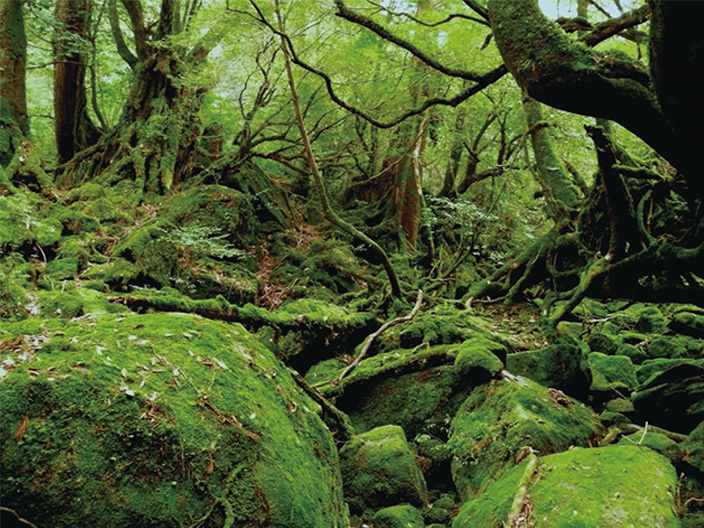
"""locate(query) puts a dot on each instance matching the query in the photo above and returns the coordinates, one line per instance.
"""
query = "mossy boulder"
(400, 516)
(160, 420)
(562, 365)
(582, 488)
(502, 421)
(440, 325)
(678, 346)
(418, 390)
(214, 206)
(379, 469)
(612, 373)
(693, 448)
(653, 367)
(601, 342)
(673, 399)
(689, 324)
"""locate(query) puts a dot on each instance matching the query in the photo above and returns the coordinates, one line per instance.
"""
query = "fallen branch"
(376, 334)
(330, 412)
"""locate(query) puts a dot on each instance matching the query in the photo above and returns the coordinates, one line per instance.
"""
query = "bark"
(14, 122)
(74, 129)
(157, 139)
(562, 194)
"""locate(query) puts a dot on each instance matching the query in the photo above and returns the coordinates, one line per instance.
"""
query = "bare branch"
(430, 24)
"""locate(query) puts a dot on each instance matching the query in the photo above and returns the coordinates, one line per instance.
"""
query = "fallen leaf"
(22, 429)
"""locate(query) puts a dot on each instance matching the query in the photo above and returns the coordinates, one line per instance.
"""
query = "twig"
(19, 519)
(376, 334)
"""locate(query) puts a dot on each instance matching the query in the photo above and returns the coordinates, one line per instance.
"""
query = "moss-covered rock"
(673, 399)
(480, 358)
(400, 516)
(562, 365)
(612, 373)
(678, 346)
(502, 421)
(636, 354)
(602, 487)
(379, 469)
(418, 390)
(693, 448)
(688, 323)
(160, 420)
(601, 342)
(441, 511)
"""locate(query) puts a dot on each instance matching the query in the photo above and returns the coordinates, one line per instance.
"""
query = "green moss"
(159, 420)
(215, 206)
(562, 365)
(62, 268)
(607, 488)
(584, 488)
(500, 419)
(652, 367)
(401, 516)
(378, 470)
(479, 356)
(678, 346)
(61, 304)
(612, 372)
(636, 355)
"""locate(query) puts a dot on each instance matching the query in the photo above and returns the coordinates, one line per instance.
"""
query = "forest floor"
(186, 363)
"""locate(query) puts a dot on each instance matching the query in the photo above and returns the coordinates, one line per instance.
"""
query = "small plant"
(204, 241)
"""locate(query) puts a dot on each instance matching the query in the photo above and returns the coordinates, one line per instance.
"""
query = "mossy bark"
(562, 194)
(14, 122)
(74, 128)
(568, 75)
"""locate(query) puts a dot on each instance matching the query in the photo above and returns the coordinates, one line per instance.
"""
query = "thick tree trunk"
(156, 142)
(14, 123)
(565, 74)
(74, 129)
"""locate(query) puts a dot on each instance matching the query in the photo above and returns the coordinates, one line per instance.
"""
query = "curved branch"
(122, 49)
(570, 76)
(344, 12)
(445, 20)
(483, 81)
(611, 27)
(134, 10)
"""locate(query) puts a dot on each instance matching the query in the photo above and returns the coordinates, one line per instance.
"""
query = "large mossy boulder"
(159, 420)
(606, 487)
(502, 421)
(379, 470)
(561, 366)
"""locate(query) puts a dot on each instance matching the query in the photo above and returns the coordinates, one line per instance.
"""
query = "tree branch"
(344, 12)
(485, 80)
(134, 10)
(122, 49)
(611, 27)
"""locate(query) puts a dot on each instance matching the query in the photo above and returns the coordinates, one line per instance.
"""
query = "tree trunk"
(14, 123)
(74, 129)
(156, 141)
(561, 193)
